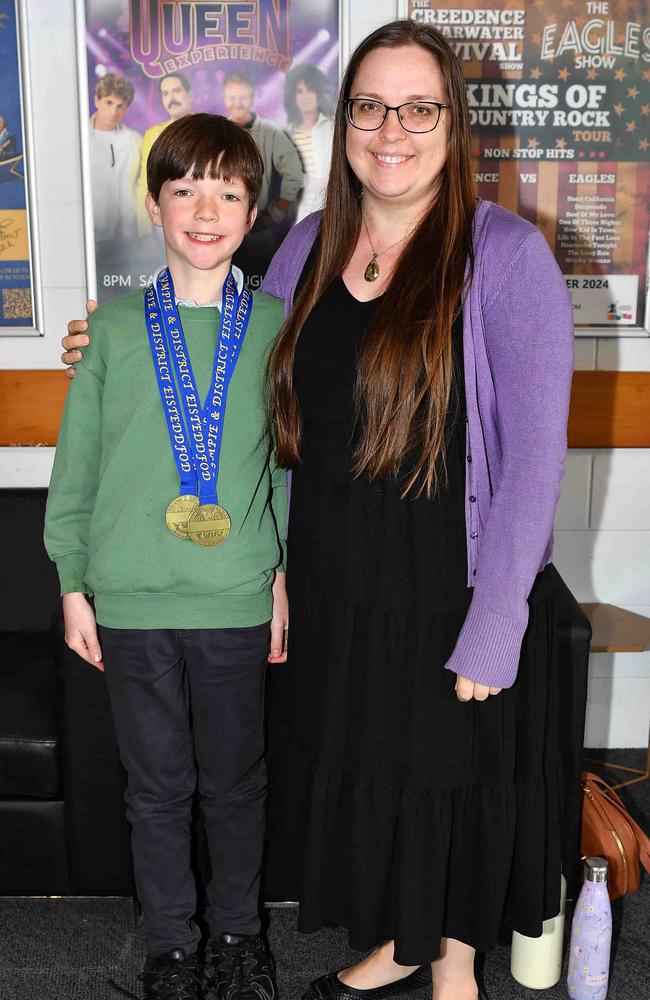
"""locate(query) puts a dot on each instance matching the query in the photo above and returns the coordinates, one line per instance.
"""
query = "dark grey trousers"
(187, 704)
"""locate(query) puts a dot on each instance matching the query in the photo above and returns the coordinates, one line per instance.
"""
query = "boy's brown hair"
(203, 143)
(114, 83)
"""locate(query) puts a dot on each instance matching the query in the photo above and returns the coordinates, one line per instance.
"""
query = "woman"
(420, 391)
(308, 104)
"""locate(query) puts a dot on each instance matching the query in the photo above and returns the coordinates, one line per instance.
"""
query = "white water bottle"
(536, 962)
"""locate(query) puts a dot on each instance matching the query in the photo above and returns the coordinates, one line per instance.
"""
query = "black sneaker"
(172, 976)
(239, 968)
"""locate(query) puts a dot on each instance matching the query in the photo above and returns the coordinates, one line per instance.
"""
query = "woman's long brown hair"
(404, 372)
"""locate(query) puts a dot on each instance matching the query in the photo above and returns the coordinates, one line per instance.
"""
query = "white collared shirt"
(237, 274)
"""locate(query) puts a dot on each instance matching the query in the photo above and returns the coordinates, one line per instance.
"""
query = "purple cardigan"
(518, 361)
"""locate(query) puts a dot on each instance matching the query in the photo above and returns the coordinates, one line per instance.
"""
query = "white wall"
(602, 549)
(603, 522)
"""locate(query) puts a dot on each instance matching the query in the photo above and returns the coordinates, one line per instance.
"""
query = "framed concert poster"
(20, 299)
(271, 66)
(559, 98)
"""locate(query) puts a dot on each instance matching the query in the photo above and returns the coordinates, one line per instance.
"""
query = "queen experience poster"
(559, 97)
(272, 66)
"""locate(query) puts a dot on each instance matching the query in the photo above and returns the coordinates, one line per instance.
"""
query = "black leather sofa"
(62, 825)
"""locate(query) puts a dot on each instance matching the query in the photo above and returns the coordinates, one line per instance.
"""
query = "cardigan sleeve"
(528, 323)
(288, 261)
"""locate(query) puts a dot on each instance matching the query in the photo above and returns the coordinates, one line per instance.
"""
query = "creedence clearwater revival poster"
(559, 96)
(271, 65)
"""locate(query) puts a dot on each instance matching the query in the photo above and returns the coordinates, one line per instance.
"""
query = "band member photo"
(176, 99)
(308, 104)
(114, 160)
(282, 180)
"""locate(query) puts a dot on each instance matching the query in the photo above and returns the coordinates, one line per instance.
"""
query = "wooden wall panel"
(608, 409)
(31, 404)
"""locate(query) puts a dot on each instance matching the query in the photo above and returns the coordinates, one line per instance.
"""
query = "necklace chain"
(376, 253)
(371, 272)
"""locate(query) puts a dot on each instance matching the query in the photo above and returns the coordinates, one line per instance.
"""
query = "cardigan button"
(469, 458)
(474, 534)
(472, 499)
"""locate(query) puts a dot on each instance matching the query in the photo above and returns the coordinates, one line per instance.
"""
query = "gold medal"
(178, 512)
(208, 524)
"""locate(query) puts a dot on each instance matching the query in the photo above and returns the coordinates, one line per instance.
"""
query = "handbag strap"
(608, 793)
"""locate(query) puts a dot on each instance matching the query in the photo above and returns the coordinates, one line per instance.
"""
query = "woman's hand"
(81, 629)
(77, 338)
(279, 620)
(467, 689)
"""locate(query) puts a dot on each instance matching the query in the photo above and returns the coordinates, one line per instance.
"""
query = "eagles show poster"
(16, 299)
(272, 66)
(559, 100)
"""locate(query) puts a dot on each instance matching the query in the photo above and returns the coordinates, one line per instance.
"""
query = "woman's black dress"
(394, 809)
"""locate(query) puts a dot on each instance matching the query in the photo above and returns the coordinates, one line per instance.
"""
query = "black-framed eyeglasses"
(414, 116)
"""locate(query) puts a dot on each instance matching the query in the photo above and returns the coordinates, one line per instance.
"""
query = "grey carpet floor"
(69, 949)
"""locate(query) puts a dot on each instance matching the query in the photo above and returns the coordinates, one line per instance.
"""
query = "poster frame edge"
(84, 149)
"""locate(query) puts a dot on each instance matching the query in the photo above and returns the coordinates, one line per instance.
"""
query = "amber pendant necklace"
(371, 272)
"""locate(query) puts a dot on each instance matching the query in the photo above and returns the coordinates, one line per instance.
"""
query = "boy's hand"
(81, 629)
(77, 338)
(279, 620)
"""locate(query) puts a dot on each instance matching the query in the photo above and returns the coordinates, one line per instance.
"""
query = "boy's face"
(110, 112)
(203, 221)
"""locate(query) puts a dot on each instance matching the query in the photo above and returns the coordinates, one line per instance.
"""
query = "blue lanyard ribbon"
(199, 433)
(167, 389)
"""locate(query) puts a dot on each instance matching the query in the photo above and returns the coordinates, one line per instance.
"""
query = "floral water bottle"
(591, 936)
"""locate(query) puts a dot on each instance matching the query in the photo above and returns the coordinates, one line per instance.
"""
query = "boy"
(182, 624)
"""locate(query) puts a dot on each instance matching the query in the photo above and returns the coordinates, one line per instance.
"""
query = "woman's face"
(393, 165)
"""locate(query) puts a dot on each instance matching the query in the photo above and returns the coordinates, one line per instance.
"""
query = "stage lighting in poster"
(559, 102)
(19, 279)
(272, 66)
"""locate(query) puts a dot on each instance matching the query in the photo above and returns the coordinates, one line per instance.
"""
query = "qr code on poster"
(16, 303)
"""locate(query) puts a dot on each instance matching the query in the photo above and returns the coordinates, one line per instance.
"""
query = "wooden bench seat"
(615, 630)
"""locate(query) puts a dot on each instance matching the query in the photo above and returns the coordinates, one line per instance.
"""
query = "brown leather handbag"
(608, 831)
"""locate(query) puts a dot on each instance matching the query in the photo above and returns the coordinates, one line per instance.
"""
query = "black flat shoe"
(330, 987)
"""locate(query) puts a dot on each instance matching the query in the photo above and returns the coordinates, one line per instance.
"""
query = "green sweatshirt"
(114, 475)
